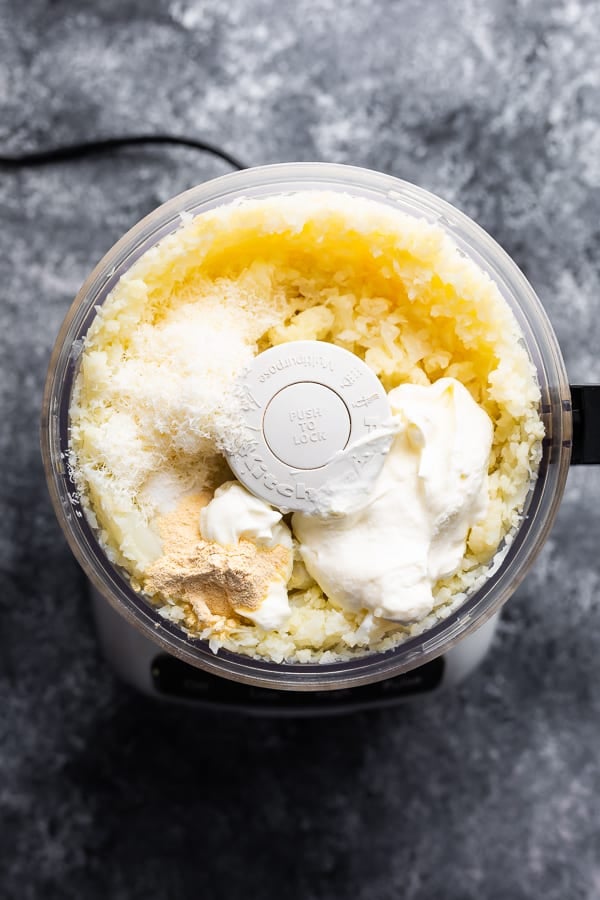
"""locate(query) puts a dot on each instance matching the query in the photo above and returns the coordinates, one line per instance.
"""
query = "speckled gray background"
(492, 792)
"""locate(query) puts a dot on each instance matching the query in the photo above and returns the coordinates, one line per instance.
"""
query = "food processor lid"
(316, 425)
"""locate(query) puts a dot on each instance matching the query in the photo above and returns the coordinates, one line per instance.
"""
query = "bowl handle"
(585, 402)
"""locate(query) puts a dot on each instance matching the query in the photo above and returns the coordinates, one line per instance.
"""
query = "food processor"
(158, 657)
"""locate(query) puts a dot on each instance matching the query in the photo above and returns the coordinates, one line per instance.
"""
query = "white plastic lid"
(314, 413)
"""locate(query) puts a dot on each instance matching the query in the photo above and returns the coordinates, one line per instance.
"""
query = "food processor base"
(143, 665)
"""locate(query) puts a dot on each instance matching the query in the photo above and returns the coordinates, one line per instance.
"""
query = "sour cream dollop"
(388, 556)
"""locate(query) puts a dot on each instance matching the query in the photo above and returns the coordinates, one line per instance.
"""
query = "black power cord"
(90, 148)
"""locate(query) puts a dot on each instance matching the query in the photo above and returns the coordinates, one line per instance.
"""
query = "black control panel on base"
(176, 680)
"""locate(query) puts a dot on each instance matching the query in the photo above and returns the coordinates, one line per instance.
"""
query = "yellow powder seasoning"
(216, 581)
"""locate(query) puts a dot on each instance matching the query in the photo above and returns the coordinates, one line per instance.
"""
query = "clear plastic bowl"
(542, 503)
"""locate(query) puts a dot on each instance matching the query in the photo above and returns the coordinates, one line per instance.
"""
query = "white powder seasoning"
(155, 403)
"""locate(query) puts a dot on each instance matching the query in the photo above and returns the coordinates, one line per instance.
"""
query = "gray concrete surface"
(492, 792)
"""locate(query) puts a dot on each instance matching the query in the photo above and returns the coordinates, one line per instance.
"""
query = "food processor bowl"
(542, 502)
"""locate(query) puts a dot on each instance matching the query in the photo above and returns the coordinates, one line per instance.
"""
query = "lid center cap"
(306, 424)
